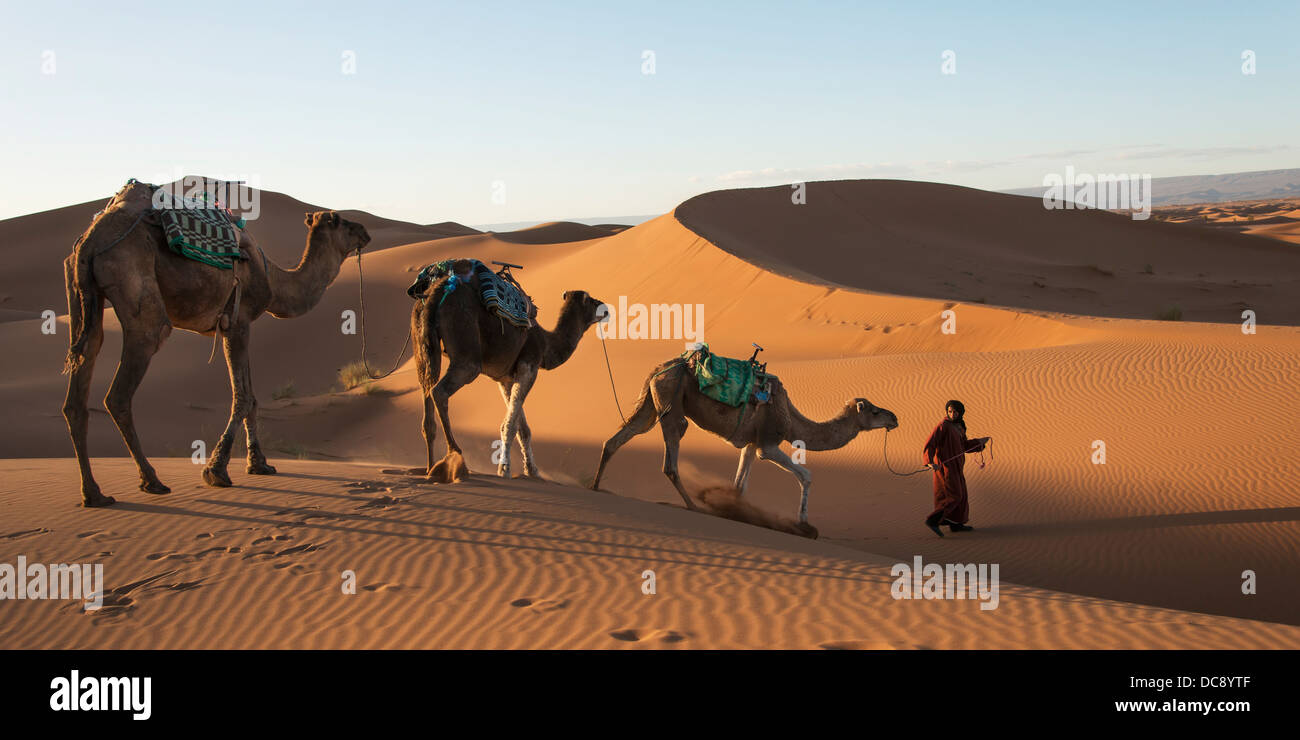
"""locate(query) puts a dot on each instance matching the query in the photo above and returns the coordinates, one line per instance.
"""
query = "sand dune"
(848, 298)
(943, 241)
(1275, 219)
(555, 232)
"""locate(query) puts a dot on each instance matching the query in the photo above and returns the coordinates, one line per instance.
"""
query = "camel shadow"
(553, 544)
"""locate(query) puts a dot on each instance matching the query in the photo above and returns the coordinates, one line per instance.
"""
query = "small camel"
(477, 342)
(122, 258)
(671, 396)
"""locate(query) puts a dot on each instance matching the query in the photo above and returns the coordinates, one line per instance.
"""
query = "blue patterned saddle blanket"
(500, 296)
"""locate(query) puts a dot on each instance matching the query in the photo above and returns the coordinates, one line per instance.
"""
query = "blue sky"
(451, 100)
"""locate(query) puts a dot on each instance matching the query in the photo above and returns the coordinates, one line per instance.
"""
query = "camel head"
(873, 417)
(587, 308)
(346, 236)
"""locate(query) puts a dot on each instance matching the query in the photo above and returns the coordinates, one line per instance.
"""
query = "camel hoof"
(804, 529)
(260, 469)
(154, 486)
(97, 500)
(450, 469)
(216, 478)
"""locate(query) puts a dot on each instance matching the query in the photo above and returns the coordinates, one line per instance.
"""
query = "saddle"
(729, 380)
(499, 292)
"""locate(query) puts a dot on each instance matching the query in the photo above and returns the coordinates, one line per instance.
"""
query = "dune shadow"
(1147, 522)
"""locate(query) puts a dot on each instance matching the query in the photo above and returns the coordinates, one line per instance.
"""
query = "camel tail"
(428, 344)
(83, 301)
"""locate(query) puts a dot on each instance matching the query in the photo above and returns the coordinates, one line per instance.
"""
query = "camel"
(152, 290)
(671, 396)
(477, 342)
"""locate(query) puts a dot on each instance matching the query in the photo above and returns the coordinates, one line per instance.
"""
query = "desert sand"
(1057, 345)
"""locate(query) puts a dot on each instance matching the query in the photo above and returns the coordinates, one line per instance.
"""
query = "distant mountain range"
(1213, 188)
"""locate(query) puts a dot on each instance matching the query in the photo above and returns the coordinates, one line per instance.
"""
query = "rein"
(610, 369)
(987, 445)
(361, 292)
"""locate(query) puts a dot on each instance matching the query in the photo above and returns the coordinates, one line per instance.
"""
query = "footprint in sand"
(25, 533)
(189, 557)
(210, 535)
(540, 605)
(102, 534)
(870, 645)
(381, 503)
(178, 586)
(232, 550)
(635, 635)
(268, 554)
(119, 602)
(309, 517)
(294, 570)
(272, 538)
(368, 485)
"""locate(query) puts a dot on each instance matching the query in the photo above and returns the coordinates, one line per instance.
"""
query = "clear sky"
(549, 105)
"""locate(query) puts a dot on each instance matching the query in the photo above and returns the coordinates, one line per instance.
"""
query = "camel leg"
(776, 456)
(241, 402)
(641, 421)
(524, 435)
(525, 438)
(674, 426)
(139, 344)
(525, 376)
(76, 409)
(459, 374)
(429, 425)
(257, 464)
(742, 470)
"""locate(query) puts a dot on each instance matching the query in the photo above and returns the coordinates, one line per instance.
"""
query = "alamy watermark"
(194, 191)
(949, 581)
(654, 321)
(39, 581)
(1111, 192)
(76, 693)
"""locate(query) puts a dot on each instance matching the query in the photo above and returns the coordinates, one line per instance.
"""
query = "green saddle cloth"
(726, 379)
(202, 234)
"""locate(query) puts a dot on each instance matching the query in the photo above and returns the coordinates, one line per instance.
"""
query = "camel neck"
(296, 291)
(561, 342)
(824, 435)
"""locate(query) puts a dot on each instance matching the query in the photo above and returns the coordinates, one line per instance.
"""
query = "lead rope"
(361, 292)
(610, 369)
(988, 445)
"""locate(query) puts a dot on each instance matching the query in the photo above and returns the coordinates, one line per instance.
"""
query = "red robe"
(948, 443)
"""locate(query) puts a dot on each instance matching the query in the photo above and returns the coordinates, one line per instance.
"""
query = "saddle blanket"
(726, 379)
(202, 234)
(500, 296)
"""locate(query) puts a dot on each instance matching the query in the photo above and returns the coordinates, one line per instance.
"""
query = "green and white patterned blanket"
(203, 234)
(725, 379)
